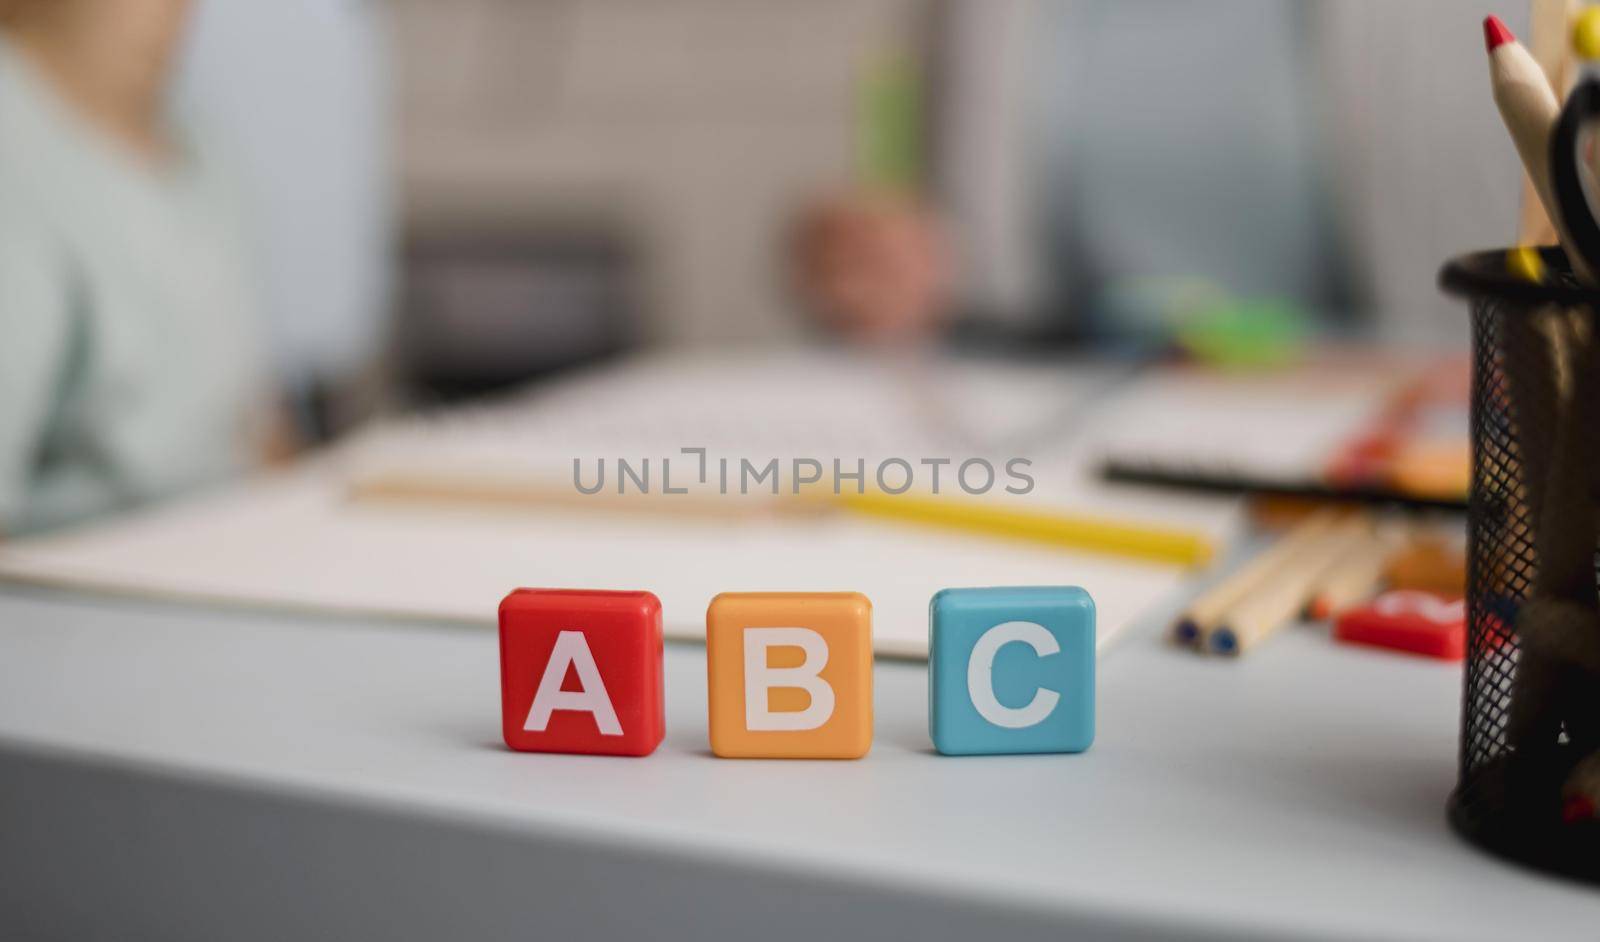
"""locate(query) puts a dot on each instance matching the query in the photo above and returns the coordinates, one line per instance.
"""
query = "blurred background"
(436, 201)
(453, 197)
(433, 266)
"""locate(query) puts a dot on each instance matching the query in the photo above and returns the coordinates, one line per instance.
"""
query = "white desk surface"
(1297, 792)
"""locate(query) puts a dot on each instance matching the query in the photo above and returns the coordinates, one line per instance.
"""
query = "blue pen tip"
(1224, 642)
(1186, 632)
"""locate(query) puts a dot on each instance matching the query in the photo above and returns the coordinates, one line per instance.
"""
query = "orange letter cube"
(581, 672)
(790, 675)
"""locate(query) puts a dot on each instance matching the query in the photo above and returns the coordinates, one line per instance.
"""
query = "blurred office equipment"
(484, 309)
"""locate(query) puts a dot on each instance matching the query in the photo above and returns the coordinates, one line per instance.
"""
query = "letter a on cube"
(1011, 670)
(580, 671)
(790, 675)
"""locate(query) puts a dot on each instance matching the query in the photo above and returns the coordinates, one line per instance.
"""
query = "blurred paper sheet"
(298, 541)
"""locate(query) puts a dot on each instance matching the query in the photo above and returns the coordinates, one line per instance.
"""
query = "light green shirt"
(128, 357)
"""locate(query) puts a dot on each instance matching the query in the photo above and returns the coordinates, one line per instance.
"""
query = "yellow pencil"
(1070, 531)
(1095, 534)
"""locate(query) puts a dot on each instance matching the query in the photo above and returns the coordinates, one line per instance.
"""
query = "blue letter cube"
(1011, 670)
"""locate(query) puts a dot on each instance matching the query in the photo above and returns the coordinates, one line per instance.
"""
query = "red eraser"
(580, 671)
(1408, 620)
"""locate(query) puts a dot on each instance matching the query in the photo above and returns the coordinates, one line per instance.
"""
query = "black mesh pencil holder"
(1529, 779)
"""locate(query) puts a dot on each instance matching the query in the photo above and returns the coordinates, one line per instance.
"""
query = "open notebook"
(299, 540)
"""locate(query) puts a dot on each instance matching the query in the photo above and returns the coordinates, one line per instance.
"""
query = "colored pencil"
(1106, 535)
(1282, 597)
(1355, 579)
(1203, 614)
(1530, 109)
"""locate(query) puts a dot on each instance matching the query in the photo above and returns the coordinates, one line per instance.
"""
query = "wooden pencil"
(1282, 597)
(514, 493)
(1527, 104)
(1203, 613)
(1355, 579)
(1530, 109)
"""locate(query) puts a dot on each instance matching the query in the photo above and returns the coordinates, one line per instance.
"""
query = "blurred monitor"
(483, 308)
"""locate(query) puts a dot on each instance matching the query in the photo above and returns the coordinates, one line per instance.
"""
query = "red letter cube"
(581, 672)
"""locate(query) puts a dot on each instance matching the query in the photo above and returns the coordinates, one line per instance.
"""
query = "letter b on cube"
(581, 672)
(1011, 670)
(790, 675)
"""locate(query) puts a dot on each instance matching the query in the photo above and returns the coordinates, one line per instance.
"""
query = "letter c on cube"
(980, 675)
(1011, 670)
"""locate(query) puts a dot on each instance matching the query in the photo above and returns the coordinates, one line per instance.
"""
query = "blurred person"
(873, 266)
(129, 362)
